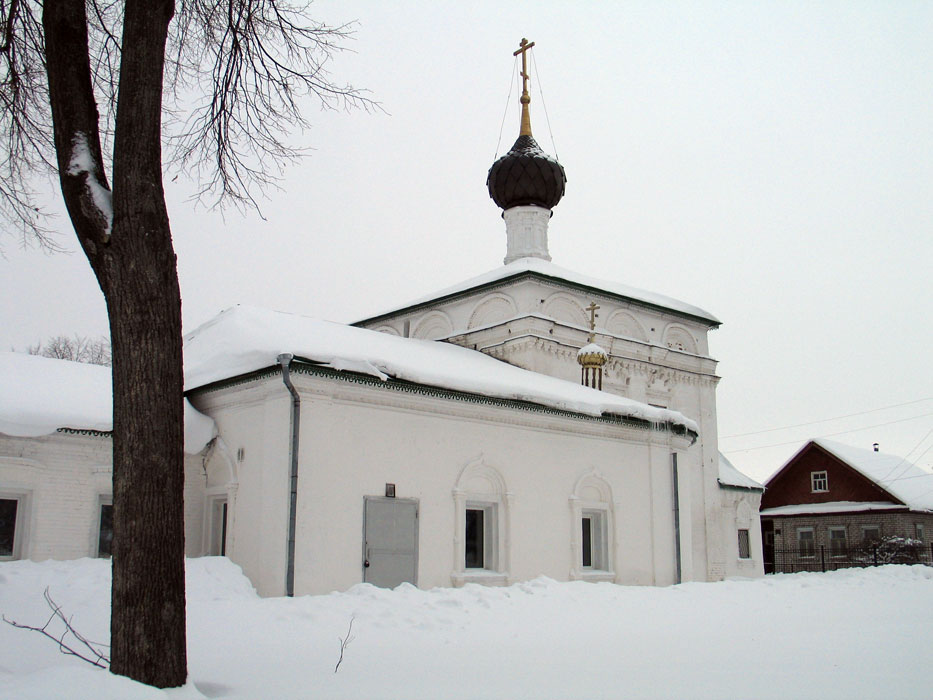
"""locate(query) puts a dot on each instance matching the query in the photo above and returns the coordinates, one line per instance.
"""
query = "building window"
(593, 540)
(871, 533)
(745, 551)
(218, 527)
(819, 482)
(105, 531)
(479, 542)
(10, 514)
(918, 531)
(837, 542)
(805, 542)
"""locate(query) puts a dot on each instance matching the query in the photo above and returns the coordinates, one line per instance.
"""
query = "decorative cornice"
(399, 385)
(86, 431)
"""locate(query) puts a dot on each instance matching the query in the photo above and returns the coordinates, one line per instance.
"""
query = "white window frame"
(800, 548)
(599, 539)
(23, 500)
(845, 541)
(481, 487)
(918, 531)
(216, 544)
(819, 482)
(864, 528)
(103, 499)
(592, 497)
(490, 513)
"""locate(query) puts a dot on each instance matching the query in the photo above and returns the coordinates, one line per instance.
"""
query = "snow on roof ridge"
(40, 395)
(896, 475)
(245, 339)
(551, 270)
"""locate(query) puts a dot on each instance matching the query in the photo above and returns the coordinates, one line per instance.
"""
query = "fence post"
(822, 557)
(874, 554)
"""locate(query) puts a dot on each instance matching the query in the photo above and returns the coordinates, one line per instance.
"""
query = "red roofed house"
(830, 500)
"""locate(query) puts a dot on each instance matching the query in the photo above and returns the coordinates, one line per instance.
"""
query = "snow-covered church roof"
(730, 476)
(547, 269)
(244, 339)
(39, 395)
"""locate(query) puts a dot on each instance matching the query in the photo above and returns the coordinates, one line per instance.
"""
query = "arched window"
(481, 537)
(593, 529)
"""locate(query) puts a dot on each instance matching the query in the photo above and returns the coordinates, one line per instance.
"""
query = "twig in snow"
(93, 655)
(344, 643)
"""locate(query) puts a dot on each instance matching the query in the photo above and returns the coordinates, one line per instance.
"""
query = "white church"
(529, 421)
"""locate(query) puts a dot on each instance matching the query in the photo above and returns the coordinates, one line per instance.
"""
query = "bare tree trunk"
(134, 262)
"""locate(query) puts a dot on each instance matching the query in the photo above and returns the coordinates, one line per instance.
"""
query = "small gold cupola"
(591, 357)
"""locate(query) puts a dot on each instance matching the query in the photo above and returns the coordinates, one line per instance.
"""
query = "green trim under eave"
(304, 366)
(547, 278)
(734, 487)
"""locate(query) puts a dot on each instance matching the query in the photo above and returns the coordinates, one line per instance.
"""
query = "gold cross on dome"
(592, 309)
(523, 47)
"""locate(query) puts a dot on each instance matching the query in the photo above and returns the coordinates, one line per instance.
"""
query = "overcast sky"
(769, 162)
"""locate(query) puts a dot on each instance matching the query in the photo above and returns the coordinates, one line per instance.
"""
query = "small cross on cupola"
(591, 356)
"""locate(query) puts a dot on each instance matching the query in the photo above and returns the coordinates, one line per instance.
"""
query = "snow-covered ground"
(860, 633)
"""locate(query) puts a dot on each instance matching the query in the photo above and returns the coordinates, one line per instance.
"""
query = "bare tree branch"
(91, 651)
(344, 643)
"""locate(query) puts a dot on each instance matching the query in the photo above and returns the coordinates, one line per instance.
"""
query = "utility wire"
(841, 432)
(505, 113)
(547, 118)
(825, 420)
(904, 458)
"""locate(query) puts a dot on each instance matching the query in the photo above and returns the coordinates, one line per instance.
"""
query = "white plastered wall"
(355, 438)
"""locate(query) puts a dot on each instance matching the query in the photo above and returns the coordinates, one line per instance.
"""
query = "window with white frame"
(479, 546)
(217, 546)
(837, 542)
(593, 549)
(871, 533)
(806, 543)
(819, 482)
(14, 521)
(105, 528)
(918, 531)
(10, 517)
(482, 521)
(745, 550)
(591, 542)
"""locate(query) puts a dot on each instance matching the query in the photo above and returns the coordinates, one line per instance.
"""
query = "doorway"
(390, 541)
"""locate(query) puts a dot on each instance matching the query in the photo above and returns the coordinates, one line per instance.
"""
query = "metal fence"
(822, 558)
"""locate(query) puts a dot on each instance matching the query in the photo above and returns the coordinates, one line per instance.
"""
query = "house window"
(819, 482)
(593, 540)
(105, 531)
(871, 533)
(918, 531)
(9, 516)
(480, 537)
(837, 541)
(745, 551)
(805, 542)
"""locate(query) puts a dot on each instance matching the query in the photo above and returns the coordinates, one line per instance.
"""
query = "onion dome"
(592, 355)
(526, 175)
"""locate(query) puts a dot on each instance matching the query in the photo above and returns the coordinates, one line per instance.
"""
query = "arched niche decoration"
(563, 307)
(481, 488)
(677, 337)
(592, 512)
(624, 324)
(432, 326)
(743, 515)
(386, 329)
(491, 309)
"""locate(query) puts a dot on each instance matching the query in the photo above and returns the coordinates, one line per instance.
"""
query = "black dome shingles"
(526, 175)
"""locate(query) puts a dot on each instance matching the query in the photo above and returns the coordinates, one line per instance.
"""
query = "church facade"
(529, 421)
